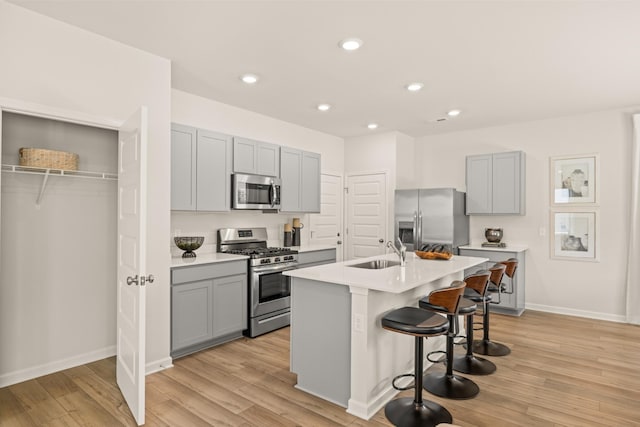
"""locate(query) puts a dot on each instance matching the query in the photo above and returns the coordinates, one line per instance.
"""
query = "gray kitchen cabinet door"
(255, 157)
(290, 172)
(229, 305)
(508, 179)
(183, 168)
(191, 314)
(300, 175)
(310, 182)
(479, 180)
(268, 159)
(213, 171)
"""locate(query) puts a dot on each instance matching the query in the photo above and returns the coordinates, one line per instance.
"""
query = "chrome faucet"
(402, 252)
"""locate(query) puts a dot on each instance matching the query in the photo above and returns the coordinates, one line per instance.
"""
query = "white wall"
(592, 289)
(204, 113)
(46, 62)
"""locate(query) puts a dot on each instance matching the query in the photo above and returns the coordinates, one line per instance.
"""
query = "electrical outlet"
(358, 322)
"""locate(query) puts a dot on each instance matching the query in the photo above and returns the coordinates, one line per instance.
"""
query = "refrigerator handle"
(419, 244)
(415, 231)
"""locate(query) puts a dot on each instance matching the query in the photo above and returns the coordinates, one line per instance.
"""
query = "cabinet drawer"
(322, 256)
(207, 271)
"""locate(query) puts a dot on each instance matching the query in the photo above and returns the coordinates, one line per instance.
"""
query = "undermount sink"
(376, 264)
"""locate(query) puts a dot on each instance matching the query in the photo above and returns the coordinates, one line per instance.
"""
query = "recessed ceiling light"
(372, 126)
(414, 87)
(249, 78)
(350, 44)
(324, 107)
(454, 113)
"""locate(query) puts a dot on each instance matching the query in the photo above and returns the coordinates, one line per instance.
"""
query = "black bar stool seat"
(421, 324)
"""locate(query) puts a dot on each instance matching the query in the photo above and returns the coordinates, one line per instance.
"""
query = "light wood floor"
(563, 371)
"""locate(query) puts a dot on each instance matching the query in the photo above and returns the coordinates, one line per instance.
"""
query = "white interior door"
(326, 227)
(366, 215)
(130, 360)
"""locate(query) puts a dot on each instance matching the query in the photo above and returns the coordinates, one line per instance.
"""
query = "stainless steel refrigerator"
(431, 215)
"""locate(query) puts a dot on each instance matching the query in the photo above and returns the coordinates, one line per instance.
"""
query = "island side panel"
(321, 339)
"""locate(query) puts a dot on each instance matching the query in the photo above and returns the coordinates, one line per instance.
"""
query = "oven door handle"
(275, 268)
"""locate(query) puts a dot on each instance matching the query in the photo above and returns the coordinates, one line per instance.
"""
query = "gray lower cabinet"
(319, 257)
(496, 183)
(510, 303)
(300, 174)
(200, 169)
(208, 305)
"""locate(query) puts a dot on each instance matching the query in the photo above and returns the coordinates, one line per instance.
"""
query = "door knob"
(132, 280)
(381, 240)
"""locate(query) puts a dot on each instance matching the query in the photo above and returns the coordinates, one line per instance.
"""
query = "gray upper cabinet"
(183, 168)
(255, 157)
(496, 184)
(200, 169)
(300, 175)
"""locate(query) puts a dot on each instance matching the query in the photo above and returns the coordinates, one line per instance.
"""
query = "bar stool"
(407, 411)
(477, 283)
(485, 346)
(510, 272)
(447, 384)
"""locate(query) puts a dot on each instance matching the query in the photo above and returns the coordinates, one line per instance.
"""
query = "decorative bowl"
(188, 244)
(493, 235)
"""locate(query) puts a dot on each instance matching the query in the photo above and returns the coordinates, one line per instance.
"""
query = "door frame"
(63, 115)
(388, 191)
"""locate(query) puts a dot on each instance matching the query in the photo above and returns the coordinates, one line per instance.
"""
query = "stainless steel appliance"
(269, 290)
(431, 215)
(255, 192)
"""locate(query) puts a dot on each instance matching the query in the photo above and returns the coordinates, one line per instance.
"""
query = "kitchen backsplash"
(207, 224)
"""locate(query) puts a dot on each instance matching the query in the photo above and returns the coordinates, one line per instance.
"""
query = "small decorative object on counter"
(288, 235)
(297, 226)
(188, 244)
(435, 251)
(493, 235)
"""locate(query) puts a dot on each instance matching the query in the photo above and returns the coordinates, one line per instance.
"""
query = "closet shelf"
(46, 173)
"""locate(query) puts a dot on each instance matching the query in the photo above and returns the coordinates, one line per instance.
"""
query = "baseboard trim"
(578, 313)
(158, 365)
(21, 375)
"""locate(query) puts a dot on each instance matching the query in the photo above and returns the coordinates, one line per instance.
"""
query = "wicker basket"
(49, 159)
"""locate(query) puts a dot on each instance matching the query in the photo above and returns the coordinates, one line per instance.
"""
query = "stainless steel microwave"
(255, 192)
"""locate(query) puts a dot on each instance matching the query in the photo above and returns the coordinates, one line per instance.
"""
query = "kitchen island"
(339, 350)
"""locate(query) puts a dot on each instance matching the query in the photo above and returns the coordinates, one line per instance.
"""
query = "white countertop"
(205, 259)
(394, 279)
(312, 248)
(508, 248)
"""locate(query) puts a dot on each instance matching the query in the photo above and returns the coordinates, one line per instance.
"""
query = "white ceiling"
(498, 61)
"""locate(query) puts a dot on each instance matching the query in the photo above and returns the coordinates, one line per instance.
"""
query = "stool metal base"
(405, 412)
(450, 386)
(473, 365)
(490, 348)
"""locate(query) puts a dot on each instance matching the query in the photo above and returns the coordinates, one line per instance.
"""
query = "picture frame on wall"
(574, 236)
(574, 180)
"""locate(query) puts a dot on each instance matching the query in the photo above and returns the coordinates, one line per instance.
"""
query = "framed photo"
(574, 236)
(573, 180)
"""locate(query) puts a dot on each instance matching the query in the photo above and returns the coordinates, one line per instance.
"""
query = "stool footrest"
(409, 387)
(436, 352)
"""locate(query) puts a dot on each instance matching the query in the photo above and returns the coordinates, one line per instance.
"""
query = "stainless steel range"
(269, 290)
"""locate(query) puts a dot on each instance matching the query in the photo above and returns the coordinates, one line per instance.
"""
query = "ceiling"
(498, 62)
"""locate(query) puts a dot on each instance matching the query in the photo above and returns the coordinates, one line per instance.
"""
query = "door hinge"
(346, 190)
